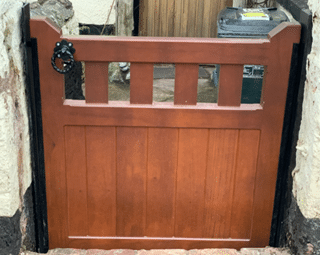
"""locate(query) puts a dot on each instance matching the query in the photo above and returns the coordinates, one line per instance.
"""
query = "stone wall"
(15, 163)
(91, 11)
(303, 235)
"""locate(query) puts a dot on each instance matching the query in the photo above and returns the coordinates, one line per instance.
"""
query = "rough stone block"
(66, 252)
(163, 252)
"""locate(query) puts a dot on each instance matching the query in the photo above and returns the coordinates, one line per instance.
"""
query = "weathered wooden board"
(180, 18)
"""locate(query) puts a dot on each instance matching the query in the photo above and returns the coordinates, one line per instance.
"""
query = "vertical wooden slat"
(199, 24)
(163, 18)
(215, 8)
(191, 174)
(170, 18)
(162, 163)
(131, 181)
(186, 84)
(184, 18)
(177, 17)
(101, 175)
(76, 183)
(241, 216)
(141, 83)
(206, 22)
(157, 18)
(220, 182)
(230, 84)
(96, 82)
(150, 18)
(180, 18)
(193, 8)
(144, 18)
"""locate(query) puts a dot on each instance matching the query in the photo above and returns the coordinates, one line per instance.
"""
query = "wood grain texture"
(131, 181)
(170, 17)
(141, 83)
(191, 174)
(230, 85)
(101, 179)
(242, 205)
(192, 11)
(163, 17)
(157, 18)
(144, 17)
(177, 17)
(171, 50)
(206, 18)
(187, 18)
(96, 82)
(163, 115)
(186, 84)
(148, 30)
(152, 242)
(221, 169)
(162, 166)
(76, 183)
(199, 20)
(184, 18)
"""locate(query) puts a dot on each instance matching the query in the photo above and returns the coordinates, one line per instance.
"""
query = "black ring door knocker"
(63, 50)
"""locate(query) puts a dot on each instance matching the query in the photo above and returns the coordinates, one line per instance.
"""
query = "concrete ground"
(244, 251)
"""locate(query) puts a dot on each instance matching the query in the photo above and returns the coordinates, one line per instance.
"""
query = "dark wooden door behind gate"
(142, 174)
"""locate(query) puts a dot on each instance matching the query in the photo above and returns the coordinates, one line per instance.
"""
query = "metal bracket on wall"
(36, 140)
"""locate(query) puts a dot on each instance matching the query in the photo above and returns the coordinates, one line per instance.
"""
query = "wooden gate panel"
(246, 165)
(76, 185)
(191, 176)
(101, 180)
(222, 155)
(131, 181)
(160, 182)
(162, 179)
(120, 143)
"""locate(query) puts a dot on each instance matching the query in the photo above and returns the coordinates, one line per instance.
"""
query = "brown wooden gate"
(144, 175)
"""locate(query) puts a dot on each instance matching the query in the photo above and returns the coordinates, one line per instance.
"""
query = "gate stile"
(144, 175)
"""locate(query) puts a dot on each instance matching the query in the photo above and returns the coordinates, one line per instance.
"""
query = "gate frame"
(38, 20)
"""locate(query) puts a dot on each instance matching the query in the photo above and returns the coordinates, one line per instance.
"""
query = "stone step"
(244, 251)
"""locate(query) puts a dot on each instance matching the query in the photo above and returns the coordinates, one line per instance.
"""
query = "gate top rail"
(186, 53)
(173, 49)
